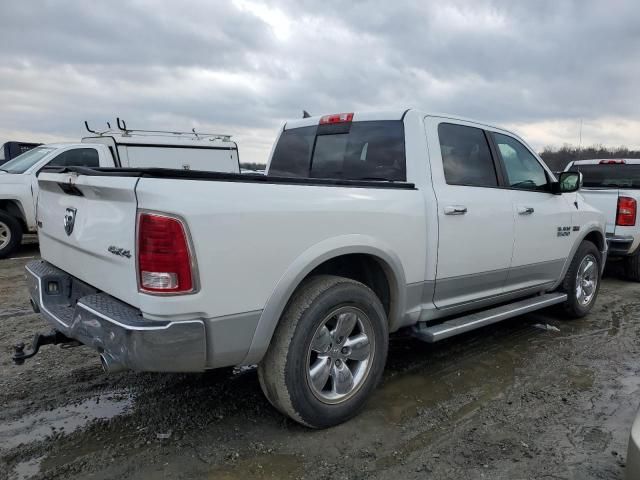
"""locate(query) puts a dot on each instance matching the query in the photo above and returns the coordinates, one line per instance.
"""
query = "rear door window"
(354, 151)
(466, 157)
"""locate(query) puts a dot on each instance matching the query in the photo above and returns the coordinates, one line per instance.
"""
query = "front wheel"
(10, 234)
(582, 280)
(328, 352)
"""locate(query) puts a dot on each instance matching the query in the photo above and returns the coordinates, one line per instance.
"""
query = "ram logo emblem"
(69, 220)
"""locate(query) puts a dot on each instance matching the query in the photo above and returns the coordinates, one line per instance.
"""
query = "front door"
(475, 216)
(543, 230)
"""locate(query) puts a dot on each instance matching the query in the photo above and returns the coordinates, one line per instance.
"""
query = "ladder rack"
(122, 127)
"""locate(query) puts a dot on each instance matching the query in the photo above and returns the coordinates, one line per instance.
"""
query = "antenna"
(305, 114)
(109, 125)
(194, 132)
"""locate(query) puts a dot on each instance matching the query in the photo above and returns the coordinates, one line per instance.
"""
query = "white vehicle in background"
(613, 187)
(366, 223)
(112, 148)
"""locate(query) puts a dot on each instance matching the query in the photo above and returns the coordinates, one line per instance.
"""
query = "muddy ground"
(512, 401)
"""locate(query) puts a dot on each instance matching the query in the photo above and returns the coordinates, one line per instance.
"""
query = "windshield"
(609, 175)
(356, 151)
(24, 162)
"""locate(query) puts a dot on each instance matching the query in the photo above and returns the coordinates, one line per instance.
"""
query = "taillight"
(626, 216)
(612, 162)
(164, 258)
(336, 118)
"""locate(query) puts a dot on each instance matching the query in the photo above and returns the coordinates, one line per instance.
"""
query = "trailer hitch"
(52, 338)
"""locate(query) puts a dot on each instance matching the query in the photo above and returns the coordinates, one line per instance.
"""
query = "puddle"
(580, 378)
(479, 370)
(458, 379)
(67, 419)
(28, 468)
(275, 466)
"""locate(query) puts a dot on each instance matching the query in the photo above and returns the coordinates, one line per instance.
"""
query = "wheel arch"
(330, 256)
(593, 233)
(14, 208)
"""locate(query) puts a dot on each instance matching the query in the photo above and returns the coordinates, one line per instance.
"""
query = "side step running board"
(470, 322)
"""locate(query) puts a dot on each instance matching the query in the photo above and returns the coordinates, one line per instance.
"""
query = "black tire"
(283, 372)
(14, 234)
(572, 307)
(632, 267)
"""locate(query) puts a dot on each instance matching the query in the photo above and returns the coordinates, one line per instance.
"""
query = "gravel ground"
(512, 401)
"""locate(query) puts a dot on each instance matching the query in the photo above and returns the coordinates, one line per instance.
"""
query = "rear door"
(87, 228)
(543, 228)
(475, 216)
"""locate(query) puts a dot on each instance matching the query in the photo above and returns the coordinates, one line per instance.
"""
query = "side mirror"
(568, 182)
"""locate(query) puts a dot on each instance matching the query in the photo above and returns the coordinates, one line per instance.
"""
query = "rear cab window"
(366, 150)
(609, 175)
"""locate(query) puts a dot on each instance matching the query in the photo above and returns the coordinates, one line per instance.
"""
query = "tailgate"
(605, 200)
(87, 227)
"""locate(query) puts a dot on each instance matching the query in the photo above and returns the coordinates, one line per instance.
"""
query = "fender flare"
(309, 260)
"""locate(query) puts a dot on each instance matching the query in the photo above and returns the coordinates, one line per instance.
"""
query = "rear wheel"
(10, 234)
(328, 352)
(632, 267)
(582, 280)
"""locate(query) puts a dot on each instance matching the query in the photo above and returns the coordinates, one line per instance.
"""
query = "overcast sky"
(243, 66)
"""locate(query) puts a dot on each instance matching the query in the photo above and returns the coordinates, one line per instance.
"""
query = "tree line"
(558, 158)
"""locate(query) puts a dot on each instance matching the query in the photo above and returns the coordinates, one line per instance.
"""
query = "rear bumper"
(118, 331)
(620, 245)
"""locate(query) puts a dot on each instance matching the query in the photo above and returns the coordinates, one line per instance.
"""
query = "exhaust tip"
(110, 365)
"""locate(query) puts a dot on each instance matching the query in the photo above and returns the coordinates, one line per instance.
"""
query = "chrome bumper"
(116, 330)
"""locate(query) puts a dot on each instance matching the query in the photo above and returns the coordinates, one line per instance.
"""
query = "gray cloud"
(243, 67)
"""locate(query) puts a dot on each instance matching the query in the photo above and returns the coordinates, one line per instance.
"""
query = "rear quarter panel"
(248, 236)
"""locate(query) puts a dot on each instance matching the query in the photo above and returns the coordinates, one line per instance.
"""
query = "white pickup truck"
(119, 148)
(613, 187)
(365, 224)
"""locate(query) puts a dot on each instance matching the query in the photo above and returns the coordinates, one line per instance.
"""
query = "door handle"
(455, 210)
(525, 210)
